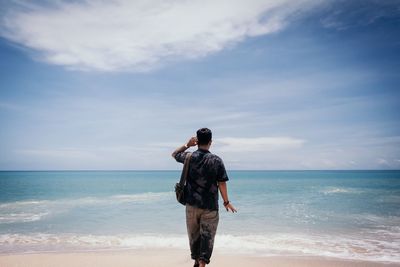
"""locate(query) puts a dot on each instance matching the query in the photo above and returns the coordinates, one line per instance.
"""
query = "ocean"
(343, 214)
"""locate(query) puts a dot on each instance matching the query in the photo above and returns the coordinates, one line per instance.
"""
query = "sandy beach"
(165, 257)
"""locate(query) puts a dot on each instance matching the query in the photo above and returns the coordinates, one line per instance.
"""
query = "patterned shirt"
(205, 171)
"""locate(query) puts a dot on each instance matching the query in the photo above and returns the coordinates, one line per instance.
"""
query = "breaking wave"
(344, 247)
(339, 190)
(35, 210)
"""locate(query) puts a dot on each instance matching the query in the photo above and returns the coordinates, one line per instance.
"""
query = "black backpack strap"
(185, 169)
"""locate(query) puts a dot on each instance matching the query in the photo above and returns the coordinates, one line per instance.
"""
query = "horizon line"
(163, 170)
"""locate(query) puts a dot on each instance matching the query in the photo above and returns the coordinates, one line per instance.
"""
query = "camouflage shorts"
(201, 226)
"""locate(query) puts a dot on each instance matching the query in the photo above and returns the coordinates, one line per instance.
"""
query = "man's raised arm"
(192, 142)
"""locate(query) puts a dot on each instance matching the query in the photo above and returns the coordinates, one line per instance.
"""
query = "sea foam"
(35, 210)
(339, 190)
(346, 247)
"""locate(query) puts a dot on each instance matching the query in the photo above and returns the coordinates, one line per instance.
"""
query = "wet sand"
(169, 257)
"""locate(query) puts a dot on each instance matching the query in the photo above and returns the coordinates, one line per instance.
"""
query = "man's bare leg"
(202, 263)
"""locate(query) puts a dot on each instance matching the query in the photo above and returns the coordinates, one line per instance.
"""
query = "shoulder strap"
(185, 169)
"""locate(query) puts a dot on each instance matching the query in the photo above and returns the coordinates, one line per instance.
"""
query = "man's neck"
(203, 147)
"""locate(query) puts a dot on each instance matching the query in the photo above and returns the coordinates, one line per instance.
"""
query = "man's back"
(205, 171)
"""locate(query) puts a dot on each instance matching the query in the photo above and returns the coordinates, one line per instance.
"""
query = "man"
(206, 175)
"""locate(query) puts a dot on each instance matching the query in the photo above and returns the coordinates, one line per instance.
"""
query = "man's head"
(204, 136)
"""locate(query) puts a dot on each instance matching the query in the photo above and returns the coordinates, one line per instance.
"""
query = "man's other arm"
(223, 188)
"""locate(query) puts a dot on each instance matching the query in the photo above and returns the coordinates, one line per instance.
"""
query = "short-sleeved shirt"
(205, 171)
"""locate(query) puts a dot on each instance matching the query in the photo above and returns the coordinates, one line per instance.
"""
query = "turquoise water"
(346, 214)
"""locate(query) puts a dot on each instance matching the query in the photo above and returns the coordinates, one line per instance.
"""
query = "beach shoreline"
(170, 257)
(325, 218)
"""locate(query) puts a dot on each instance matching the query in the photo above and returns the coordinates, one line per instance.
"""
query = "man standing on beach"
(206, 175)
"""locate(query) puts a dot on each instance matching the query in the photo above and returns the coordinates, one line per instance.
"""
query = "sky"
(118, 85)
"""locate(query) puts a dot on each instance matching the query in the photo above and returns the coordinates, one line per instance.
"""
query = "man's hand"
(230, 207)
(192, 141)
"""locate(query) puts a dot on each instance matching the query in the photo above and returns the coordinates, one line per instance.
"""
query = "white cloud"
(141, 35)
(115, 157)
(231, 144)
(64, 153)
(383, 162)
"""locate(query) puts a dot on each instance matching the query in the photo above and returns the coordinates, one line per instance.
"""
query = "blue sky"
(120, 84)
